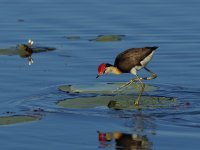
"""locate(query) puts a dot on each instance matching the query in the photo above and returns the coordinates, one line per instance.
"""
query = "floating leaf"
(108, 38)
(108, 88)
(15, 50)
(117, 102)
(42, 49)
(7, 120)
(72, 37)
(8, 51)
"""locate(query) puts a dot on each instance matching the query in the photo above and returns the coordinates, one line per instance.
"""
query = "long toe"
(135, 86)
(136, 103)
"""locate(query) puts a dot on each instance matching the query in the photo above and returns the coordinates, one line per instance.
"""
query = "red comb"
(102, 137)
(101, 68)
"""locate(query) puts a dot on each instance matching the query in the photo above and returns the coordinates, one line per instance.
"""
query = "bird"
(131, 61)
(25, 51)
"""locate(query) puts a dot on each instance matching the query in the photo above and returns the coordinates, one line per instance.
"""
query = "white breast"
(144, 62)
(147, 59)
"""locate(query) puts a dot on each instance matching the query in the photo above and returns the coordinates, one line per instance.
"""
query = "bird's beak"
(97, 76)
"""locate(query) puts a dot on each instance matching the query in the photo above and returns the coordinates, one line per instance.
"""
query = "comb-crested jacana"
(131, 61)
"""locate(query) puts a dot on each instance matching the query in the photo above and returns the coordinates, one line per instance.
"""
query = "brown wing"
(132, 57)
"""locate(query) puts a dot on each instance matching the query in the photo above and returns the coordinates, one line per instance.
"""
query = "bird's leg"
(153, 75)
(127, 84)
(141, 91)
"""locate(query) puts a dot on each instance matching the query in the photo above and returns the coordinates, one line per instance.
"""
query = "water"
(172, 25)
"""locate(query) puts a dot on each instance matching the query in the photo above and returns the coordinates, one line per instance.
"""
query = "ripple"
(180, 113)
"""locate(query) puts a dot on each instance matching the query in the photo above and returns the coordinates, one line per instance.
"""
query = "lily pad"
(72, 37)
(15, 50)
(8, 51)
(117, 102)
(108, 38)
(7, 120)
(108, 88)
(43, 49)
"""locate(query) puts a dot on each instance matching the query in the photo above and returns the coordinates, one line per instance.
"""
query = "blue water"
(172, 25)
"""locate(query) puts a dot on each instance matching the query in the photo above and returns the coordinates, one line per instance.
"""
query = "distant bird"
(26, 51)
(131, 61)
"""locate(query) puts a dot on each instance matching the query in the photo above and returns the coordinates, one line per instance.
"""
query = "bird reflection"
(125, 141)
(137, 140)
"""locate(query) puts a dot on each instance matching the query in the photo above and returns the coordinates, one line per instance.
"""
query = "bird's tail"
(152, 48)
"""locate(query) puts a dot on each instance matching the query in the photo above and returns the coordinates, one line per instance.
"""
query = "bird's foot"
(135, 86)
(125, 85)
(136, 103)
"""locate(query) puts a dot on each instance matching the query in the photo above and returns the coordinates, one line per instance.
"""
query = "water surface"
(172, 25)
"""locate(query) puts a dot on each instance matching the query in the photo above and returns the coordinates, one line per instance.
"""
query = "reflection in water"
(141, 123)
(125, 141)
(137, 140)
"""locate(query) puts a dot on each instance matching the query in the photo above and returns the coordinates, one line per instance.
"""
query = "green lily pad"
(105, 88)
(7, 120)
(43, 49)
(117, 102)
(108, 38)
(72, 37)
(15, 50)
(8, 51)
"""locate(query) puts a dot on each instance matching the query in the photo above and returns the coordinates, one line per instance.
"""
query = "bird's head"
(102, 69)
